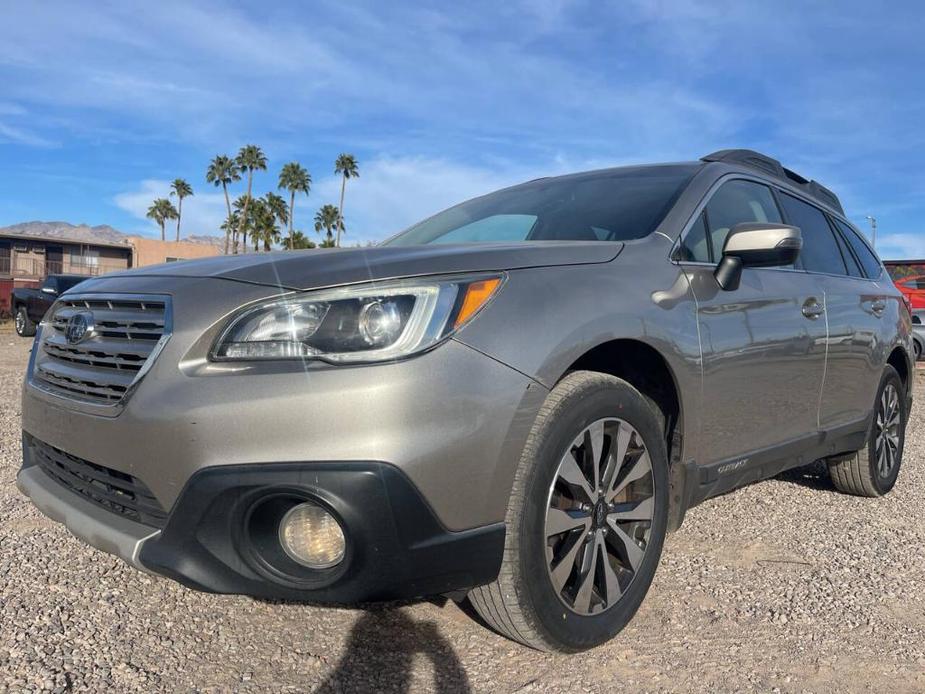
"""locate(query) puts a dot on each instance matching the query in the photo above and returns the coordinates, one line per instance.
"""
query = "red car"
(914, 289)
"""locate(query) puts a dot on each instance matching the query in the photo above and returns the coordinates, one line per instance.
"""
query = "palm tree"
(327, 218)
(346, 165)
(250, 158)
(160, 211)
(276, 209)
(222, 171)
(298, 241)
(181, 189)
(229, 226)
(245, 224)
(295, 179)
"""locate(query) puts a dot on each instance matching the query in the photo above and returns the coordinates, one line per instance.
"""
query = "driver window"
(734, 203)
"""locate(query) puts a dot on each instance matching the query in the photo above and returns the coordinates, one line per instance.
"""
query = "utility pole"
(873, 231)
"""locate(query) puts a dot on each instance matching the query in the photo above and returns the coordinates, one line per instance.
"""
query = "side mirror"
(50, 290)
(756, 244)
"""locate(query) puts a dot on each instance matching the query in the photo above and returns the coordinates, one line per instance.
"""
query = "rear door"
(862, 312)
(763, 344)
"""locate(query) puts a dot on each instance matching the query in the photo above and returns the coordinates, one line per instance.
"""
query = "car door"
(762, 345)
(39, 300)
(859, 309)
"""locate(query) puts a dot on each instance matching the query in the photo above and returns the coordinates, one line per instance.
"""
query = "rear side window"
(869, 261)
(854, 268)
(820, 249)
(734, 203)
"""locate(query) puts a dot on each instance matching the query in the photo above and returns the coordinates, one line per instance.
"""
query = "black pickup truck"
(29, 305)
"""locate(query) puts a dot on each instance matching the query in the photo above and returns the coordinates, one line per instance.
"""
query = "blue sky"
(103, 103)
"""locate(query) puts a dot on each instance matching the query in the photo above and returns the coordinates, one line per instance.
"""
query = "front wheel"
(586, 520)
(24, 325)
(872, 470)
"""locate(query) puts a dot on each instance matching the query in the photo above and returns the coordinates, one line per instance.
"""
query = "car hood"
(313, 269)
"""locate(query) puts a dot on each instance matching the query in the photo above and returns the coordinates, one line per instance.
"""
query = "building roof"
(65, 240)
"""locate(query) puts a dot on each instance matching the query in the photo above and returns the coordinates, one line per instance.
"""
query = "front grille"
(101, 368)
(115, 491)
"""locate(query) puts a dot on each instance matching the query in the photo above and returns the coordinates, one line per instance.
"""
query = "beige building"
(153, 251)
(26, 260)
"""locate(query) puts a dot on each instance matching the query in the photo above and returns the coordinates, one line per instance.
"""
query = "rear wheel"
(872, 470)
(24, 326)
(586, 521)
(917, 349)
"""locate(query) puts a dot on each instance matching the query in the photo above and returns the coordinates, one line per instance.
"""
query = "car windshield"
(65, 283)
(612, 205)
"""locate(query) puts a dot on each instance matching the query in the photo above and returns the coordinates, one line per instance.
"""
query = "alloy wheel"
(889, 420)
(20, 322)
(599, 516)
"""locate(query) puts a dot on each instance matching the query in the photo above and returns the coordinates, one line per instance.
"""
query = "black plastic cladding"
(397, 548)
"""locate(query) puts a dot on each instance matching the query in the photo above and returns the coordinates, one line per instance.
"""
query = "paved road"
(786, 585)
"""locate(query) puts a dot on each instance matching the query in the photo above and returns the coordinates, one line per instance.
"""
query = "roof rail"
(769, 165)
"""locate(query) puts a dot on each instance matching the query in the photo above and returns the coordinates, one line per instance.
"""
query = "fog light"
(312, 537)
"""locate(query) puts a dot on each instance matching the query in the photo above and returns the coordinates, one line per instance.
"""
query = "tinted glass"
(695, 246)
(66, 282)
(869, 261)
(820, 250)
(854, 269)
(734, 203)
(614, 205)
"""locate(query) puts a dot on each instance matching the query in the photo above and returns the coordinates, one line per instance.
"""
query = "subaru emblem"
(79, 327)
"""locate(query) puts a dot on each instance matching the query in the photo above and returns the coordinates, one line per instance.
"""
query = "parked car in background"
(513, 400)
(914, 289)
(918, 333)
(28, 305)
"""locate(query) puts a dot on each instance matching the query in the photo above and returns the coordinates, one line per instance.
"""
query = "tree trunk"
(340, 211)
(247, 200)
(179, 215)
(228, 205)
(291, 214)
(163, 237)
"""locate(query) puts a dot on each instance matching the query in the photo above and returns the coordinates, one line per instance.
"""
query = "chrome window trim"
(775, 188)
(87, 406)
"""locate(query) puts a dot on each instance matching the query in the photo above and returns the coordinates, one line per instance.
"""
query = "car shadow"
(814, 476)
(381, 651)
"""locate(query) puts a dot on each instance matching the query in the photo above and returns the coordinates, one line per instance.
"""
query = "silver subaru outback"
(513, 400)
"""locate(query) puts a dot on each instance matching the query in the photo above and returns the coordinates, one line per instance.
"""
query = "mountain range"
(102, 233)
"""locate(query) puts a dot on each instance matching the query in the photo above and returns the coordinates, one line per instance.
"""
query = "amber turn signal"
(477, 294)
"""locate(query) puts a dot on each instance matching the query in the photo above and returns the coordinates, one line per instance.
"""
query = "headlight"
(355, 324)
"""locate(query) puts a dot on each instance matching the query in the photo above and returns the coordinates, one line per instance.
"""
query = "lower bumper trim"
(97, 527)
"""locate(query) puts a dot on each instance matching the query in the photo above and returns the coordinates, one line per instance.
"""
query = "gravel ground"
(783, 586)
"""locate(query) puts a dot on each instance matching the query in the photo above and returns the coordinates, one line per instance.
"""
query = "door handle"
(812, 309)
(878, 306)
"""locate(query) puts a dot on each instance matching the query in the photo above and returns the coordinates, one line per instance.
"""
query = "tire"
(917, 349)
(530, 601)
(24, 326)
(865, 472)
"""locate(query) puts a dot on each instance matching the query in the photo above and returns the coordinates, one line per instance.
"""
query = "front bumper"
(396, 547)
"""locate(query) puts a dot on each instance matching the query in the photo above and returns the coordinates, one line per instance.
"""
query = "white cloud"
(203, 212)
